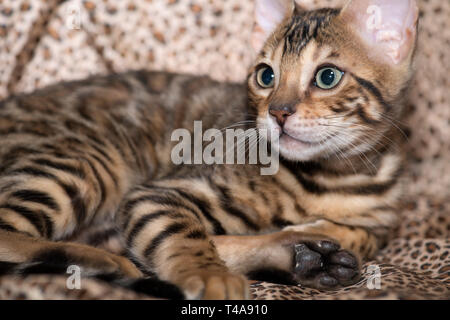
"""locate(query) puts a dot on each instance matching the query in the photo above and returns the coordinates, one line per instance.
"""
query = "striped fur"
(54, 265)
(78, 154)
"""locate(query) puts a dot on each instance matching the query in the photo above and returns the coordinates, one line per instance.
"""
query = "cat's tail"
(149, 285)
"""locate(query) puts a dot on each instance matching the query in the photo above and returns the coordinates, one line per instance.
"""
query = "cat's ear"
(307, 5)
(388, 27)
(269, 14)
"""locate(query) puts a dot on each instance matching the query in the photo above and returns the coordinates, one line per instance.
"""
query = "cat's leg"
(165, 230)
(38, 255)
(321, 254)
(43, 200)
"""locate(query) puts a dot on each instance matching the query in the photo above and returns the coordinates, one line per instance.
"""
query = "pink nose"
(281, 114)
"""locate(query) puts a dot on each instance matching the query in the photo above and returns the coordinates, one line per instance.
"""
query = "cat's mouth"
(303, 144)
(289, 137)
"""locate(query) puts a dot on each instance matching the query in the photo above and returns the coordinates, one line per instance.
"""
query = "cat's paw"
(213, 285)
(322, 264)
(92, 260)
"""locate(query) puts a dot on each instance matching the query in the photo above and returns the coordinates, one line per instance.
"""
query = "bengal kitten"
(329, 82)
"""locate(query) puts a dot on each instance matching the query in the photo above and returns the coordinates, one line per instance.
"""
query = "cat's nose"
(281, 113)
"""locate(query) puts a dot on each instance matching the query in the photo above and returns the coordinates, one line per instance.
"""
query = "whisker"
(359, 154)
(345, 142)
(366, 131)
(386, 117)
(336, 150)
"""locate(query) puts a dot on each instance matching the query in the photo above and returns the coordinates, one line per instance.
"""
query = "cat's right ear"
(387, 27)
(269, 14)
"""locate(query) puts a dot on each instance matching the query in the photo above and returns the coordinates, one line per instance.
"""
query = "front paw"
(322, 264)
(213, 285)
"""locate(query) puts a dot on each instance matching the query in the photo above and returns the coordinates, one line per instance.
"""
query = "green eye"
(265, 77)
(327, 78)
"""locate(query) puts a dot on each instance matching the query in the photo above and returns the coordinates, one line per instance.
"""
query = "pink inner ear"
(269, 14)
(386, 25)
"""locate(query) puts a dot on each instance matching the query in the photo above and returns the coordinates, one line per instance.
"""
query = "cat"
(329, 82)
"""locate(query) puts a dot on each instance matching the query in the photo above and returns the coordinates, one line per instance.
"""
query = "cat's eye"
(265, 77)
(328, 77)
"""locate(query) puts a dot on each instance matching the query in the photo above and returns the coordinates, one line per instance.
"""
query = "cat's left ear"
(388, 27)
(269, 14)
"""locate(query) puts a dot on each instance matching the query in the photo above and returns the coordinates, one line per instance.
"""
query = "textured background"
(39, 46)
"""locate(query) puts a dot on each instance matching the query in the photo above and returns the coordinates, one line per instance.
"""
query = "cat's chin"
(297, 150)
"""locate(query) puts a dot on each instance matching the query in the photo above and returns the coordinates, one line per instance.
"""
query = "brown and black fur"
(80, 154)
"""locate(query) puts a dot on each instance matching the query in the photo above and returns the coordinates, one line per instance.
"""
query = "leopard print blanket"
(43, 42)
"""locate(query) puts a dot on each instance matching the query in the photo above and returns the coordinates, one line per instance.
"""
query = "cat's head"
(329, 81)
